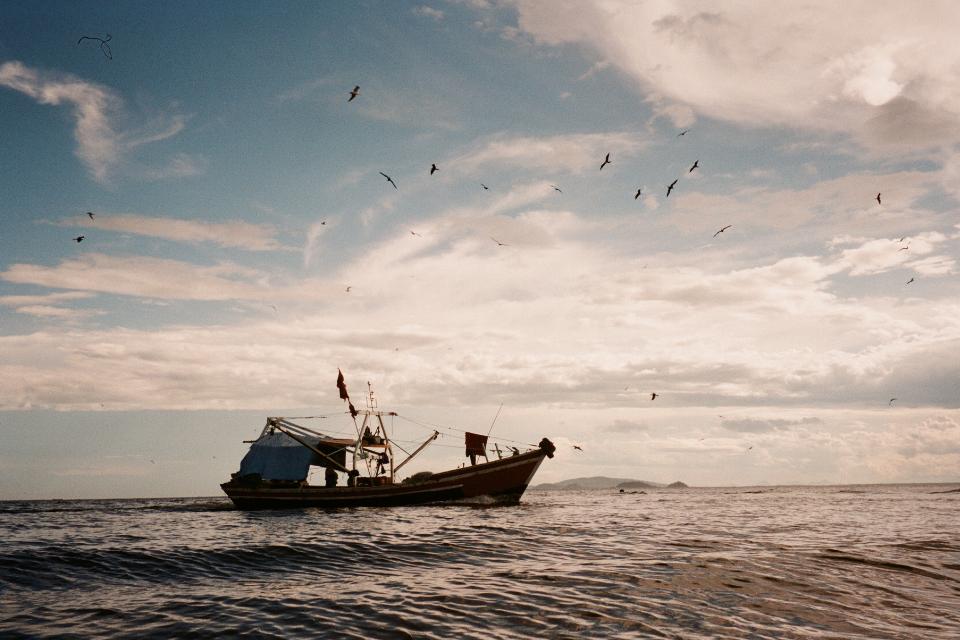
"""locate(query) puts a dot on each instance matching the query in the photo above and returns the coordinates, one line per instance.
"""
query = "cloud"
(96, 110)
(240, 235)
(425, 11)
(878, 256)
(879, 73)
(144, 277)
(755, 425)
(181, 165)
(50, 305)
(572, 153)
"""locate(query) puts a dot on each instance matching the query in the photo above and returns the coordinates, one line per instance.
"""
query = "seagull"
(433, 169)
(79, 238)
(908, 281)
(890, 404)
(577, 447)
(414, 233)
(499, 244)
(878, 199)
(354, 93)
(653, 396)
(606, 161)
(556, 188)
(683, 133)
(750, 447)
(670, 187)
(323, 223)
(696, 163)
(638, 194)
(389, 179)
(348, 289)
(722, 230)
(104, 47)
(903, 249)
(90, 213)
(485, 187)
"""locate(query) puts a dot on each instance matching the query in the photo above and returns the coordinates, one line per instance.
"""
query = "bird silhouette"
(390, 180)
(908, 281)
(485, 187)
(903, 249)
(750, 447)
(499, 244)
(90, 213)
(671, 186)
(653, 396)
(414, 233)
(556, 188)
(696, 163)
(354, 93)
(79, 238)
(606, 161)
(348, 289)
(878, 199)
(722, 230)
(890, 404)
(638, 194)
(683, 133)
(577, 447)
(433, 169)
(323, 223)
(104, 47)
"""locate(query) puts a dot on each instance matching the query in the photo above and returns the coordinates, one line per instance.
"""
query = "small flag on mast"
(341, 385)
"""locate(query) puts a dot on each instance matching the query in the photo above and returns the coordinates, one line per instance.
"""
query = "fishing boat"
(273, 474)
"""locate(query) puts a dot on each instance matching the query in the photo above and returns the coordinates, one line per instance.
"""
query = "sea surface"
(763, 562)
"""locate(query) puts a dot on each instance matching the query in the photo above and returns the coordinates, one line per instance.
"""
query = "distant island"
(595, 483)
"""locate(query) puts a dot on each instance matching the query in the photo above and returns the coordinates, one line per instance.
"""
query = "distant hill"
(597, 482)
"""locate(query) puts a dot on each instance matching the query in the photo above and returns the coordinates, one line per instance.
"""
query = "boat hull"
(498, 481)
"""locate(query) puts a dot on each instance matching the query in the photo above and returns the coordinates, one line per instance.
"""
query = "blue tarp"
(277, 456)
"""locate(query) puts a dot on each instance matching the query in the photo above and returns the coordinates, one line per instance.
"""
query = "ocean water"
(777, 562)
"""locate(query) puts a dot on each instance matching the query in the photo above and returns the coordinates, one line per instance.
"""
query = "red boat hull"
(500, 481)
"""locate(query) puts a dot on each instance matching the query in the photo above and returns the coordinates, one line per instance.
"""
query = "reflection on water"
(877, 562)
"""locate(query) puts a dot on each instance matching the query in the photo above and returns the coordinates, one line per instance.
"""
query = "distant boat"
(273, 474)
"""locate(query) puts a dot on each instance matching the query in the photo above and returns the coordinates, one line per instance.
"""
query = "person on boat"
(330, 477)
(382, 462)
(352, 477)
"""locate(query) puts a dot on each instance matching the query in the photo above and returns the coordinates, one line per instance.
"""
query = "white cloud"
(96, 110)
(573, 153)
(426, 11)
(240, 235)
(880, 72)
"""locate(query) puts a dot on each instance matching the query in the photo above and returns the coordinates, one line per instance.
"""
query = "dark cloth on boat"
(330, 477)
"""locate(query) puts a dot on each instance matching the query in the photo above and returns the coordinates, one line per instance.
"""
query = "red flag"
(342, 386)
(476, 444)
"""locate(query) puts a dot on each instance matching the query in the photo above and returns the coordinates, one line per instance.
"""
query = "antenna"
(494, 420)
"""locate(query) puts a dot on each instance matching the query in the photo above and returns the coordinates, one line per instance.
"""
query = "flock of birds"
(355, 92)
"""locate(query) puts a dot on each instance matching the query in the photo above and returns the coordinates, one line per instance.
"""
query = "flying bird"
(878, 199)
(414, 233)
(908, 281)
(696, 163)
(499, 244)
(90, 213)
(683, 133)
(750, 447)
(670, 187)
(653, 396)
(577, 447)
(722, 230)
(433, 169)
(638, 194)
(354, 93)
(348, 289)
(606, 161)
(79, 238)
(390, 180)
(889, 404)
(903, 249)
(485, 187)
(556, 188)
(104, 47)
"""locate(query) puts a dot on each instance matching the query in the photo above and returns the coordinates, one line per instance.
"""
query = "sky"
(245, 246)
